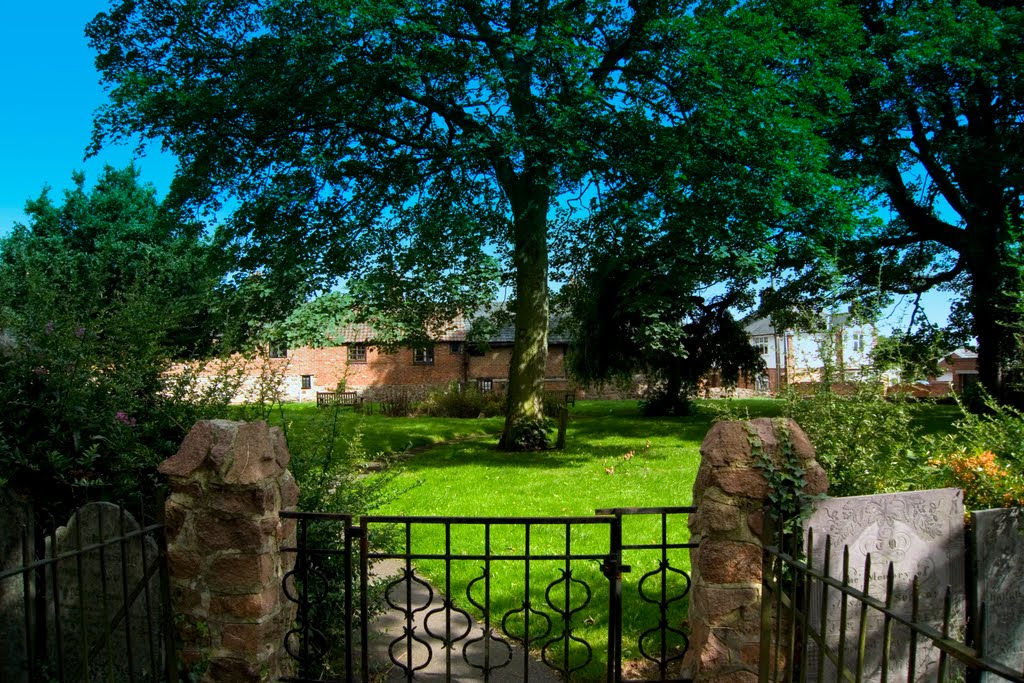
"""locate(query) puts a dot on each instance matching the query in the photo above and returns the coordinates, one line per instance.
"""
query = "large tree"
(397, 145)
(931, 128)
(394, 144)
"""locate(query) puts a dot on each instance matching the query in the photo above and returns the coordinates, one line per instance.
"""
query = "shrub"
(986, 482)
(530, 434)
(864, 441)
(397, 401)
(463, 402)
(997, 428)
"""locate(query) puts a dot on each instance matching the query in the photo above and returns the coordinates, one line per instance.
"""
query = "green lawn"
(614, 458)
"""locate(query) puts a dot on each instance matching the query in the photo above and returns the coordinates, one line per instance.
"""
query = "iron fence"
(857, 624)
(89, 600)
(516, 598)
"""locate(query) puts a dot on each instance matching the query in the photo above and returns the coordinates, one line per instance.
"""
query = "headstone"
(921, 534)
(99, 638)
(999, 576)
(14, 525)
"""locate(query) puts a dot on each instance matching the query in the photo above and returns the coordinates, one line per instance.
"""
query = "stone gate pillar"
(229, 480)
(730, 494)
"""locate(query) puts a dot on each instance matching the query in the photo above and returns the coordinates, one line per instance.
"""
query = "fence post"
(229, 481)
(730, 494)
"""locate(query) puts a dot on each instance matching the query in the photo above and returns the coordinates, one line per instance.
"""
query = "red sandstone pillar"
(730, 494)
(229, 480)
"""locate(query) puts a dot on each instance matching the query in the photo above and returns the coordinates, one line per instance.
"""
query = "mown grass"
(614, 458)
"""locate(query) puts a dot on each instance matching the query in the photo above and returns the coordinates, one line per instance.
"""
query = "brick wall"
(326, 367)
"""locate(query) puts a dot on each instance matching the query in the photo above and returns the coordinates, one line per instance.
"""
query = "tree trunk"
(990, 305)
(530, 352)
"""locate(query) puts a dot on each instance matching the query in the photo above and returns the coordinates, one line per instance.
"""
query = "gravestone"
(99, 638)
(14, 525)
(921, 534)
(999, 574)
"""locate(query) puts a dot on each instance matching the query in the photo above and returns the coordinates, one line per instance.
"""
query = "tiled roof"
(455, 331)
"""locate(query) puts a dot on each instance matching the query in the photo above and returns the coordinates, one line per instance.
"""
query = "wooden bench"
(325, 399)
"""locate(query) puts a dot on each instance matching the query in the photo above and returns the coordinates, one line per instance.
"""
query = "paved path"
(390, 625)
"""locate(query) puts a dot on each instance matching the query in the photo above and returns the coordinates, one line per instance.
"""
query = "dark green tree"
(640, 305)
(98, 293)
(930, 127)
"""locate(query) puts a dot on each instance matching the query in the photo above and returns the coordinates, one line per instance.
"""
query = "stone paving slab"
(390, 625)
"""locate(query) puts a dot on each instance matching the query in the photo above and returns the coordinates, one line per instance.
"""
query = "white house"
(793, 356)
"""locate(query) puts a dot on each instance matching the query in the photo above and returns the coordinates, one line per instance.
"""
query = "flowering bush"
(986, 482)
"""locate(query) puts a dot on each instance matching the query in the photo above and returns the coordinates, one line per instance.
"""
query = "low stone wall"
(730, 494)
(229, 481)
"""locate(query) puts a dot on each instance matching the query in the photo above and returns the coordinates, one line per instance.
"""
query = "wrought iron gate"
(540, 596)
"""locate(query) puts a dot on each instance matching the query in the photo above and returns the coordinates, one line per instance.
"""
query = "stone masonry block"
(749, 483)
(729, 562)
(238, 574)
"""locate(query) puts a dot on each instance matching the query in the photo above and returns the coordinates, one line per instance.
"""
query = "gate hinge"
(612, 569)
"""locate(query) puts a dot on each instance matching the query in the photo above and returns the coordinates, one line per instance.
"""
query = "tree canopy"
(98, 292)
(420, 149)
(929, 126)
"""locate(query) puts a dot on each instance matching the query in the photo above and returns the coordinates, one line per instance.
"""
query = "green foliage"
(915, 354)
(789, 503)
(929, 126)
(530, 434)
(998, 428)
(633, 310)
(866, 443)
(423, 138)
(329, 462)
(462, 402)
(97, 294)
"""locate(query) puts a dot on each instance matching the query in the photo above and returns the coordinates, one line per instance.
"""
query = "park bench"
(326, 399)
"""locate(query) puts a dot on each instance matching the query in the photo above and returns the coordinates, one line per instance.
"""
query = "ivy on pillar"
(730, 495)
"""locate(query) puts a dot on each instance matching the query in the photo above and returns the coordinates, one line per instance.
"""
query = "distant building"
(959, 372)
(798, 357)
(369, 369)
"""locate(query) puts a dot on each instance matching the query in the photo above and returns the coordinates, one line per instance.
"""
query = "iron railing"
(88, 604)
(877, 635)
(666, 587)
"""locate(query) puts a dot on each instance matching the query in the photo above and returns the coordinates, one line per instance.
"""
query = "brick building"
(370, 369)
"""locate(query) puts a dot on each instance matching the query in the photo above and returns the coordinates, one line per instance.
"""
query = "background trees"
(931, 130)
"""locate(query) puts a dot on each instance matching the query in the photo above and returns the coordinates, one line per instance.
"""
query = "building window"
(357, 353)
(484, 385)
(761, 344)
(423, 355)
(858, 342)
(307, 381)
(278, 349)
(455, 347)
(477, 350)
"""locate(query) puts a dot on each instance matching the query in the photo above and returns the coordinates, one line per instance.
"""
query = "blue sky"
(51, 90)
